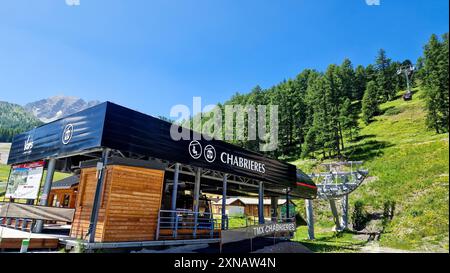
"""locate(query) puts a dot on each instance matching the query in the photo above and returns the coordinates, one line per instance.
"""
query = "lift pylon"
(336, 183)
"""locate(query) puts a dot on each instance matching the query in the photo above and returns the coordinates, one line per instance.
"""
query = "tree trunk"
(341, 136)
(337, 139)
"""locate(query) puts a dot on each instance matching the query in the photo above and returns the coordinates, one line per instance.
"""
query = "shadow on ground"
(333, 243)
(367, 149)
(245, 246)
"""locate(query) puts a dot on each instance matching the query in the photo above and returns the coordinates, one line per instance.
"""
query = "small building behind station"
(248, 206)
(64, 192)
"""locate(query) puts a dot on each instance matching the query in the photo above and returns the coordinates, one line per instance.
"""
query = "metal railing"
(251, 220)
(17, 223)
(186, 224)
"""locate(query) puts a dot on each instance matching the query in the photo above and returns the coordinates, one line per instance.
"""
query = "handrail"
(186, 224)
(191, 223)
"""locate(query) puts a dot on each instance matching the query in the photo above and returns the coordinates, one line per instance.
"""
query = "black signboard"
(64, 137)
(112, 126)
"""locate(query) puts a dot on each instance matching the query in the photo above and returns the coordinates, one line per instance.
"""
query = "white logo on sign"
(67, 134)
(28, 144)
(195, 149)
(210, 153)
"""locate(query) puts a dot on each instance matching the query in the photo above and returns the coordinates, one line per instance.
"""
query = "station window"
(66, 200)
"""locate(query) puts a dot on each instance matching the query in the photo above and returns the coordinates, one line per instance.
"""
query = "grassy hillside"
(409, 165)
(14, 119)
(4, 172)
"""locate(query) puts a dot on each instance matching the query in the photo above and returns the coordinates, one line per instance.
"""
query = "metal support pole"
(335, 214)
(173, 205)
(198, 175)
(261, 203)
(288, 201)
(345, 212)
(310, 218)
(101, 168)
(158, 226)
(46, 191)
(224, 202)
(407, 80)
(274, 207)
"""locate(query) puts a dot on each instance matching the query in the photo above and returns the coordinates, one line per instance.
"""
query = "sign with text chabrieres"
(273, 229)
(24, 180)
(267, 229)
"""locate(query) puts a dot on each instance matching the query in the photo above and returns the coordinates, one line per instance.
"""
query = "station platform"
(11, 239)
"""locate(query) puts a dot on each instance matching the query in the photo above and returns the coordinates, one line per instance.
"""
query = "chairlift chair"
(407, 96)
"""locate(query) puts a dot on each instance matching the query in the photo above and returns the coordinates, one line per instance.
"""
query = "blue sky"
(151, 55)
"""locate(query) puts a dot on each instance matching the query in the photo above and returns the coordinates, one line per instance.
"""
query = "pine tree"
(310, 100)
(300, 108)
(435, 83)
(419, 73)
(385, 78)
(317, 136)
(311, 144)
(360, 82)
(326, 94)
(370, 102)
(254, 98)
(347, 75)
(282, 98)
(444, 67)
(371, 74)
(348, 117)
(334, 95)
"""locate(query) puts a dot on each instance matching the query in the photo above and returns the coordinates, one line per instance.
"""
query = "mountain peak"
(58, 106)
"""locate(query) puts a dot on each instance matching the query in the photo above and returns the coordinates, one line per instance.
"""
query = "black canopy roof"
(109, 125)
(66, 183)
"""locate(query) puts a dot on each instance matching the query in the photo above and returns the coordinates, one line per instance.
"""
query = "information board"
(24, 180)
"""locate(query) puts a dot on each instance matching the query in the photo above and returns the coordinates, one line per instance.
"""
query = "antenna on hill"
(408, 71)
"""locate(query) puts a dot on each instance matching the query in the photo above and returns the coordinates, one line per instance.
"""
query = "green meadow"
(409, 165)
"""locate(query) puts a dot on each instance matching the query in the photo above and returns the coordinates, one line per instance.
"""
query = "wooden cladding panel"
(83, 206)
(130, 202)
(85, 199)
(135, 200)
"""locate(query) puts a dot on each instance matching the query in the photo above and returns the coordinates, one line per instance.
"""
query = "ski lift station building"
(137, 184)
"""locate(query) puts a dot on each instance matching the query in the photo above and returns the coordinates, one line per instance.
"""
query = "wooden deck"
(12, 239)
